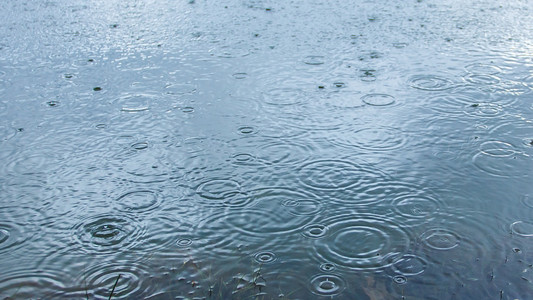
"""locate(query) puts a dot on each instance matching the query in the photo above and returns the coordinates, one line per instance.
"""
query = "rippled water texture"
(254, 149)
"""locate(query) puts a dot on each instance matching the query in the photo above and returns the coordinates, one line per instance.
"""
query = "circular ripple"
(303, 207)
(314, 60)
(327, 267)
(373, 139)
(440, 239)
(180, 89)
(31, 284)
(410, 265)
(450, 104)
(265, 257)
(399, 279)
(522, 228)
(183, 243)
(482, 79)
(246, 130)
(139, 201)
(330, 174)
(327, 285)
(100, 279)
(139, 146)
(503, 162)
(145, 167)
(484, 110)
(364, 242)
(218, 189)
(284, 96)
(108, 233)
(497, 149)
(315, 231)
(416, 206)
(378, 99)
(135, 102)
(284, 152)
(430, 82)
(482, 69)
(11, 237)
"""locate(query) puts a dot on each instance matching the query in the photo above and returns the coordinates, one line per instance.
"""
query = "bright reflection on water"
(195, 149)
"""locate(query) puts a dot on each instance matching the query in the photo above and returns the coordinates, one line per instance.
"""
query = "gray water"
(266, 149)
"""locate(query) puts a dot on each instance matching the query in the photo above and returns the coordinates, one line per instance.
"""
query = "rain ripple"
(430, 82)
(104, 234)
(363, 242)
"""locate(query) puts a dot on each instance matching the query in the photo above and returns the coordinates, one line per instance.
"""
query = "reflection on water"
(259, 149)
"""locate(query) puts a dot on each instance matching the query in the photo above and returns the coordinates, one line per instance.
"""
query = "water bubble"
(440, 239)
(327, 285)
(522, 228)
(339, 84)
(482, 79)
(378, 99)
(139, 146)
(187, 109)
(330, 174)
(246, 130)
(53, 103)
(399, 279)
(315, 231)
(327, 267)
(362, 242)
(265, 257)
(135, 103)
(240, 75)
(410, 265)
(107, 233)
(314, 60)
(430, 82)
(482, 69)
(139, 201)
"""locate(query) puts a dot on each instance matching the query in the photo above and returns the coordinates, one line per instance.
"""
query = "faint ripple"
(452, 104)
(32, 284)
(19, 225)
(502, 159)
(378, 99)
(327, 285)
(145, 167)
(284, 152)
(105, 234)
(482, 79)
(482, 69)
(440, 239)
(484, 110)
(284, 96)
(331, 174)
(5, 132)
(11, 236)
(415, 206)
(430, 82)
(410, 265)
(222, 192)
(139, 201)
(374, 139)
(362, 242)
(101, 278)
(180, 89)
(464, 236)
(314, 60)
